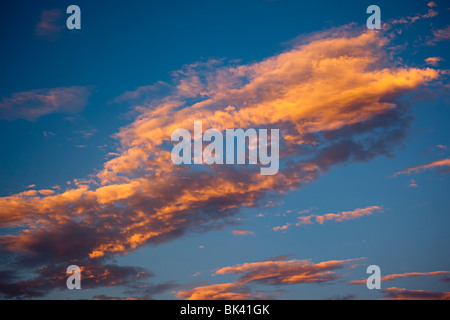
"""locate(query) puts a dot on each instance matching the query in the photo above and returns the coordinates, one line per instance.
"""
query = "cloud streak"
(31, 105)
(432, 165)
(241, 232)
(270, 272)
(341, 216)
(50, 24)
(404, 294)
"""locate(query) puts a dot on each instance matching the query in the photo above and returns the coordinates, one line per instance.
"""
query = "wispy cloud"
(341, 216)
(404, 294)
(441, 34)
(31, 105)
(392, 277)
(431, 13)
(87, 133)
(241, 232)
(50, 24)
(269, 272)
(281, 228)
(224, 291)
(434, 61)
(432, 165)
(286, 271)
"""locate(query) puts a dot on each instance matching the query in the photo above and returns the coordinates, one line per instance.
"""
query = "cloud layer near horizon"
(335, 99)
(277, 272)
(395, 293)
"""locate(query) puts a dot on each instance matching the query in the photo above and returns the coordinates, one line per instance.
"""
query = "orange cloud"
(435, 164)
(243, 232)
(434, 61)
(282, 228)
(31, 105)
(442, 34)
(392, 277)
(404, 294)
(411, 19)
(225, 291)
(276, 271)
(413, 274)
(341, 216)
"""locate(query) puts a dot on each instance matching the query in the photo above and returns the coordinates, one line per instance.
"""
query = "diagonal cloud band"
(336, 98)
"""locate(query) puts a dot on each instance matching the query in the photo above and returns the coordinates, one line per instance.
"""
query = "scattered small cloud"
(50, 24)
(31, 105)
(243, 233)
(392, 277)
(48, 133)
(269, 272)
(434, 61)
(404, 294)
(87, 133)
(413, 184)
(282, 228)
(432, 165)
(224, 291)
(46, 192)
(441, 34)
(139, 198)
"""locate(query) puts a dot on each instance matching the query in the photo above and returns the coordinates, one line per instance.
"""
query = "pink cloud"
(282, 228)
(434, 61)
(140, 198)
(341, 216)
(432, 165)
(31, 105)
(276, 271)
(442, 34)
(243, 232)
(404, 294)
(50, 24)
(392, 277)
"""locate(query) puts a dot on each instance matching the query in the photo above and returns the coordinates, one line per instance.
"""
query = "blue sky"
(115, 74)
